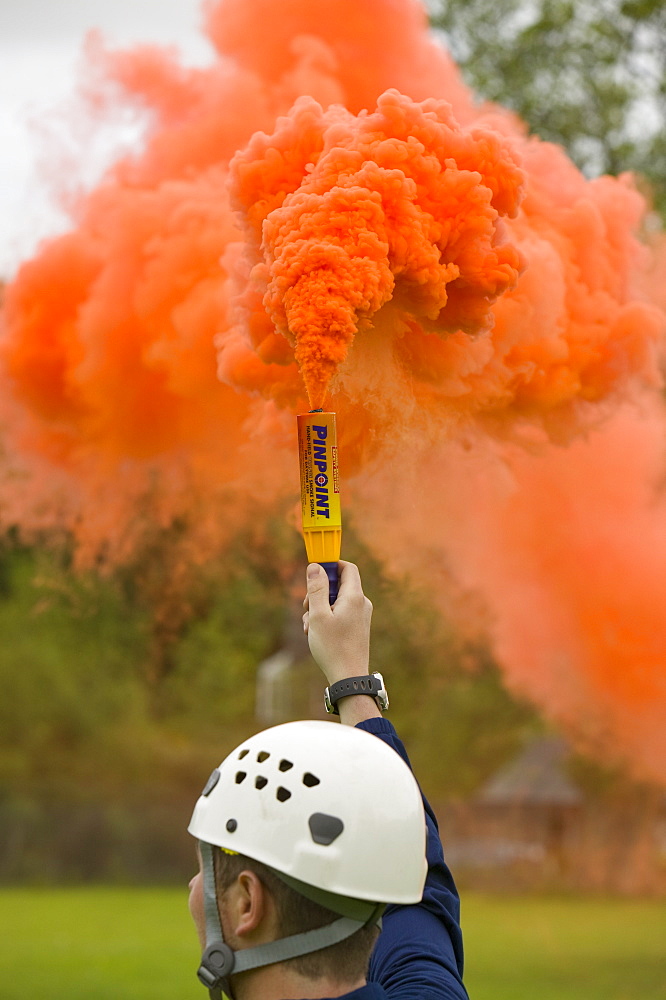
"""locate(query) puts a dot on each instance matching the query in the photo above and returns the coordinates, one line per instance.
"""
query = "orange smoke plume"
(566, 547)
(325, 209)
(348, 214)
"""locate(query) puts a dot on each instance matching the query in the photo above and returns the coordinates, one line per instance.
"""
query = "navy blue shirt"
(419, 953)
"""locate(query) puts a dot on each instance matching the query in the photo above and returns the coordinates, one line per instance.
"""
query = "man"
(312, 836)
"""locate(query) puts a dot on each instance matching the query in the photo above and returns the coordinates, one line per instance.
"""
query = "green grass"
(564, 949)
(138, 944)
(97, 944)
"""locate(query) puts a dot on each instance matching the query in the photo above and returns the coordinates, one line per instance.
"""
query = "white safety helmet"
(332, 810)
(327, 804)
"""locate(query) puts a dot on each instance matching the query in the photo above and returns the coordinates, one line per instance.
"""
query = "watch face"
(381, 695)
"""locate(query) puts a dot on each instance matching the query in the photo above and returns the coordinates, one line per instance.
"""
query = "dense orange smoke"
(587, 554)
(567, 548)
(352, 214)
(325, 210)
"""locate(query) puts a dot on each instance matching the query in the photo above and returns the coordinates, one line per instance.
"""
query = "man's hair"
(345, 962)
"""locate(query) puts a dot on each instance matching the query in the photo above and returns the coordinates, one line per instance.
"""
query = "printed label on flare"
(318, 456)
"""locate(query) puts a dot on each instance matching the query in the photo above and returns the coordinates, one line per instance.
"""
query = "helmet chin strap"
(219, 961)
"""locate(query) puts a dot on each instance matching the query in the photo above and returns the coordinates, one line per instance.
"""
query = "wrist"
(335, 676)
(358, 708)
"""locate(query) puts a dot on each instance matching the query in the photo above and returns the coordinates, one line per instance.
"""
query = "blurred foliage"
(67, 669)
(242, 608)
(587, 74)
(110, 721)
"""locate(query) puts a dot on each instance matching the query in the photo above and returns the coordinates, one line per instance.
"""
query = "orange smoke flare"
(377, 236)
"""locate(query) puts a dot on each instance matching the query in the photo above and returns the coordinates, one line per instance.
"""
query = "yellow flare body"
(320, 486)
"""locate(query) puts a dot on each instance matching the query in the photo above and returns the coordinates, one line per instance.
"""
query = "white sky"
(40, 52)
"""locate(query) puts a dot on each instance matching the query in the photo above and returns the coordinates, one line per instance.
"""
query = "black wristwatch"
(370, 684)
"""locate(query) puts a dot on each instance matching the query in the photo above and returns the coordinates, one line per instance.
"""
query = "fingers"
(350, 580)
(350, 590)
(317, 589)
(350, 593)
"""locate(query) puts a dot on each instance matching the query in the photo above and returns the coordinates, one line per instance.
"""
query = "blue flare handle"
(332, 574)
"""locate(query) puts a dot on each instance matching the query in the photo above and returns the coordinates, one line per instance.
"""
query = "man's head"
(255, 904)
(304, 826)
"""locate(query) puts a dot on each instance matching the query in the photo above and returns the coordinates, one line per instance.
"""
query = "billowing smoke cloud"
(398, 208)
(325, 211)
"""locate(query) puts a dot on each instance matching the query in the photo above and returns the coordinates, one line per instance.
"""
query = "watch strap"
(369, 684)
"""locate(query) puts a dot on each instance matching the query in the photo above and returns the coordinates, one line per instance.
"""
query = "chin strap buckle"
(217, 963)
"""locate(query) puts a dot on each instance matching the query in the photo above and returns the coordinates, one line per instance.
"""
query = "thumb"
(317, 584)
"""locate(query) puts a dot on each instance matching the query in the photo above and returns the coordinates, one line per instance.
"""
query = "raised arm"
(419, 954)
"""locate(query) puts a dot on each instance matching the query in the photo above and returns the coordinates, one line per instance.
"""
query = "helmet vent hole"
(262, 756)
(310, 779)
(260, 782)
(240, 776)
(242, 754)
(285, 765)
(283, 794)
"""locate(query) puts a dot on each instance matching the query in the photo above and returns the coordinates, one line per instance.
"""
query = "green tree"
(587, 74)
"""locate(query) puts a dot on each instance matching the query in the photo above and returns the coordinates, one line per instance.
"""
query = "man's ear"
(250, 904)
